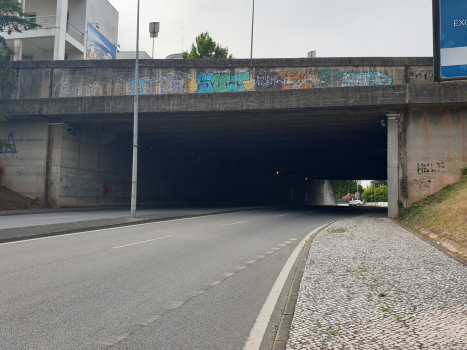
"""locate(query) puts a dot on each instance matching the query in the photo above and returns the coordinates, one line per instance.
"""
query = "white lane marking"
(261, 324)
(292, 239)
(275, 248)
(288, 242)
(117, 228)
(282, 245)
(215, 283)
(196, 293)
(229, 274)
(149, 240)
(240, 267)
(269, 252)
(175, 305)
(52, 217)
(278, 216)
(235, 223)
(260, 257)
(249, 262)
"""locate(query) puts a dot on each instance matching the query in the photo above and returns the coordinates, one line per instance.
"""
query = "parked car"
(355, 203)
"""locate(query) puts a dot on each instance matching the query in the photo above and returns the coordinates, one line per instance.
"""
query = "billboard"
(450, 39)
(98, 47)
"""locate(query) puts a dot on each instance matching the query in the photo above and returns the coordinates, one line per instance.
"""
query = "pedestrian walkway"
(370, 284)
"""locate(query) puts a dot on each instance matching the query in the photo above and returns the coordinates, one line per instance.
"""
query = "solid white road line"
(149, 240)
(261, 324)
(235, 223)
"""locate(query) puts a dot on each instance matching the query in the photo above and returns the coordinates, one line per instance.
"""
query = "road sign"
(450, 39)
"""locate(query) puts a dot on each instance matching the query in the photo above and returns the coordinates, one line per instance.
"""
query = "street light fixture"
(134, 175)
(154, 33)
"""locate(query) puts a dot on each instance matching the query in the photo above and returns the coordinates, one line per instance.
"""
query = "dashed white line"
(278, 216)
(282, 245)
(215, 283)
(249, 262)
(275, 248)
(288, 242)
(149, 240)
(260, 257)
(269, 252)
(235, 223)
(229, 274)
(292, 239)
(240, 267)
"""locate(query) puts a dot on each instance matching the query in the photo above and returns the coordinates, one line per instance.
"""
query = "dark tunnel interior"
(253, 158)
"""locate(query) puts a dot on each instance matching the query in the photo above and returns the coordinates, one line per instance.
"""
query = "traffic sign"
(450, 39)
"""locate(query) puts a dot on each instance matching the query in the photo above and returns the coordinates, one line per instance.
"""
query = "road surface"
(196, 283)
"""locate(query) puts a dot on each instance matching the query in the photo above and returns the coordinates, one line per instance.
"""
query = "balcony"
(48, 22)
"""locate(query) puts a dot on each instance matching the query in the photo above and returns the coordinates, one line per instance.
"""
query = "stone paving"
(370, 284)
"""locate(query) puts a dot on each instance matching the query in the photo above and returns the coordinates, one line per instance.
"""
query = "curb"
(21, 236)
(282, 335)
(437, 246)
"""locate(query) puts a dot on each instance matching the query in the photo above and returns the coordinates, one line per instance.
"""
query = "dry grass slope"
(441, 217)
(10, 200)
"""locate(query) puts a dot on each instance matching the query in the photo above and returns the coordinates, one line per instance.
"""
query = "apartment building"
(69, 30)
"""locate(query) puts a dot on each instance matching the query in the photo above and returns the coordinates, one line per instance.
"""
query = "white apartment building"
(70, 30)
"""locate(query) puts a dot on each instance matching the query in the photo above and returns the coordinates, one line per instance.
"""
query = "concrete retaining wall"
(436, 149)
(24, 165)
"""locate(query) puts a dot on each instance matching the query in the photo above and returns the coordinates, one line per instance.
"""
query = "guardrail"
(48, 22)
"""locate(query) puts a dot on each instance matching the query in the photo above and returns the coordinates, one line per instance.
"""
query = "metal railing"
(47, 22)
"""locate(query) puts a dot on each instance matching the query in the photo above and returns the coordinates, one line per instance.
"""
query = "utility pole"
(252, 26)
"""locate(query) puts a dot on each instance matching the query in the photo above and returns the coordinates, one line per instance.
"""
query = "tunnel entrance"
(254, 158)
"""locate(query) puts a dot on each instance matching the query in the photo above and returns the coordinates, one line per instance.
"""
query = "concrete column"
(18, 50)
(54, 164)
(393, 166)
(60, 30)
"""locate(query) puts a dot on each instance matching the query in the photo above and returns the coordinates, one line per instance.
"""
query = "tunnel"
(260, 158)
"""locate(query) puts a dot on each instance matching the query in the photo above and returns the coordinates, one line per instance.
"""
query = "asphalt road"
(195, 283)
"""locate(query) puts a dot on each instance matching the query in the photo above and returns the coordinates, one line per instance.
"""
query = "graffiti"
(421, 183)
(420, 75)
(69, 190)
(178, 82)
(12, 145)
(222, 82)
(268, 82)
(366, 79)
(423, 168)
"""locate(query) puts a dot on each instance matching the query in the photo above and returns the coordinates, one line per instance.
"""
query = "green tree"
(12, 19)
(378, 195)
(205, 47)
(342, 187)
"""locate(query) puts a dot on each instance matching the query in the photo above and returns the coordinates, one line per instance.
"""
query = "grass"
(382, 295)
(385, 309)
(443, 213)
(338, 230)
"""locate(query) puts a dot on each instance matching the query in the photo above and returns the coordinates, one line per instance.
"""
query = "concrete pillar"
(60, 30)
(393, 166)
(17, 50)
(54, 164)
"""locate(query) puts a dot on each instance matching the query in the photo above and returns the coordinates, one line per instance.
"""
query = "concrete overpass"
(220, 130)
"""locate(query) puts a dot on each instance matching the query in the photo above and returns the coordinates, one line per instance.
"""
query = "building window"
(31, 17)
(66, 57)
(27, 58)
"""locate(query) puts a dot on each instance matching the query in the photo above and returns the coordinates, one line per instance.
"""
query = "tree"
(12, 19)
(342, 187)
(205, 47)
(378, 195)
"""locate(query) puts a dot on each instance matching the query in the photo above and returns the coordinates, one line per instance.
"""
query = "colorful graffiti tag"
(206, 81)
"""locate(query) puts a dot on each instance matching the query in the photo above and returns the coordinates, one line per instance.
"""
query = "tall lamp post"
(134, 175)
(153, 31)
(252, 26)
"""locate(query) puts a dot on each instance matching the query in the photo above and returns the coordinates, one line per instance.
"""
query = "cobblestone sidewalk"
(370, 284)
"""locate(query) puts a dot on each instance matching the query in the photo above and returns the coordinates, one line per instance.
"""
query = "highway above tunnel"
(194, 283)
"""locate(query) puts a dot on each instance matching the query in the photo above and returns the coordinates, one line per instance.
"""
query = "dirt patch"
(10, 200)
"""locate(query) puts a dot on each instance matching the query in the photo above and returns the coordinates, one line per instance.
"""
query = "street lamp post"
(252, 26)
(134, 175)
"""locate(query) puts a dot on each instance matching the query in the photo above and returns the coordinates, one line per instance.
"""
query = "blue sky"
(334, 28)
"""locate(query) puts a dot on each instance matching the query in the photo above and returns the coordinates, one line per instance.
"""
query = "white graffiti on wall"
(366, 79)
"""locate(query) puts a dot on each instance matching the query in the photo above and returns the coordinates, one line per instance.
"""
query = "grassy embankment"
(441, 217)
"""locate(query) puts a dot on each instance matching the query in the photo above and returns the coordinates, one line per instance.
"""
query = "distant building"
(70, 30)
(175, 56)
(131, 55)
